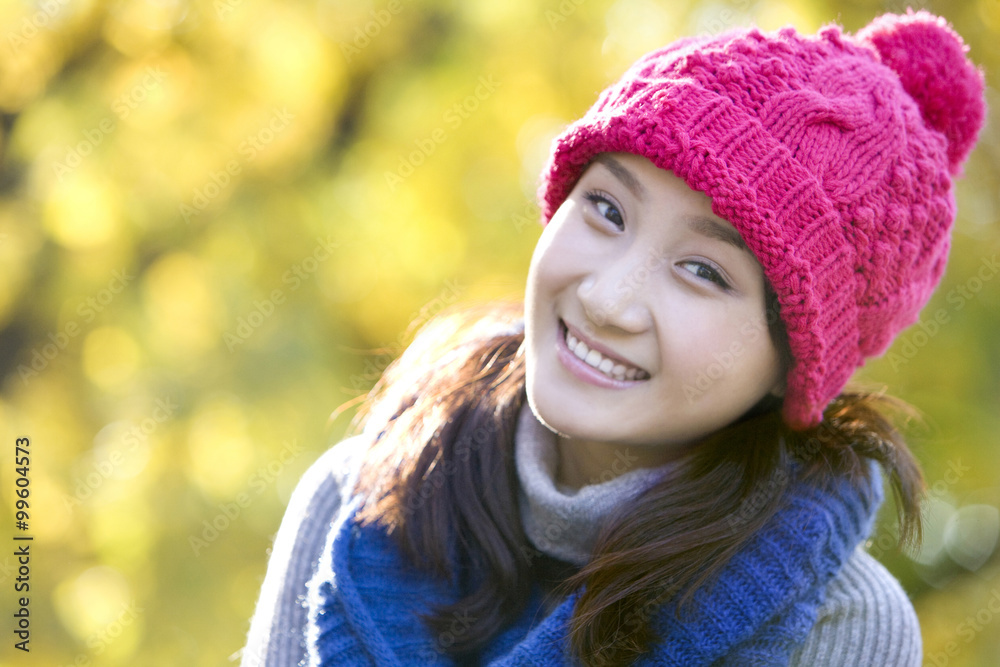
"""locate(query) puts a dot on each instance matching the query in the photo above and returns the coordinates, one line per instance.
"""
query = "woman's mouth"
(611, 367)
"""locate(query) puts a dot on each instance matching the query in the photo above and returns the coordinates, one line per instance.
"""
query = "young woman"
(656, 462)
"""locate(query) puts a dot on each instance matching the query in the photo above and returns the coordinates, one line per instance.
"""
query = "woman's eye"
(706, 272)
(606, 209)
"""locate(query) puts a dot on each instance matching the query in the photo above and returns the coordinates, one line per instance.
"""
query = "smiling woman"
(656, 461)
(587, 324)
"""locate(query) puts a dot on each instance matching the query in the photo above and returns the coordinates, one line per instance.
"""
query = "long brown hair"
(440, 478)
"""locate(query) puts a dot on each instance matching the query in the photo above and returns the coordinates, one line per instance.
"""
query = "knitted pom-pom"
(929, 58)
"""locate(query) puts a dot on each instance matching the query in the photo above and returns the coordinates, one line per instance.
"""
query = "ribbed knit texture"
(866, 618)
(831, 155)
(366, 599)
(564, 523)
(882, 607)
(276, 636)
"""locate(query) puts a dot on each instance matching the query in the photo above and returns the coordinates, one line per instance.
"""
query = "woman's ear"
(778, 390)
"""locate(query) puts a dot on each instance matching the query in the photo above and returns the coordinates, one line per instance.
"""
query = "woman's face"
(644, 313)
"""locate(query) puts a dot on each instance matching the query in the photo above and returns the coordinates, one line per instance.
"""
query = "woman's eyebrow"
(713, 230)
(702, 225)
(619, 171)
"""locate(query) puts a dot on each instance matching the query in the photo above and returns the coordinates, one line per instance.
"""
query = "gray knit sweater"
(866, 618)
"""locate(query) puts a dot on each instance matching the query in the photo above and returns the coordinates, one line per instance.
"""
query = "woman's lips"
(593, 363)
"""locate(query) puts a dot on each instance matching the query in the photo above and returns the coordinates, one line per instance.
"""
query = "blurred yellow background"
(217, 219)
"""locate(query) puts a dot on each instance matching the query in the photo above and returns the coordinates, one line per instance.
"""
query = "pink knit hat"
(832, 155)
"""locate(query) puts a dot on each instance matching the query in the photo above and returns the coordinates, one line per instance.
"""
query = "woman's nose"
(614, 295)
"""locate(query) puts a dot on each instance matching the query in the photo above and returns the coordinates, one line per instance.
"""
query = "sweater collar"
(561, 522)
(365, 596)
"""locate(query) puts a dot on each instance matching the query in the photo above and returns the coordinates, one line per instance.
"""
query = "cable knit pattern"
(831, 155)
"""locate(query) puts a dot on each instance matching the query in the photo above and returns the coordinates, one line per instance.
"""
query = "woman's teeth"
(594, 358)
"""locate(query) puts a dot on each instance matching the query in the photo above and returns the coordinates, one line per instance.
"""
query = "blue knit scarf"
(365, 600)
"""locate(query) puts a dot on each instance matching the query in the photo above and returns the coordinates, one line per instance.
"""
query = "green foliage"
(218, 217)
